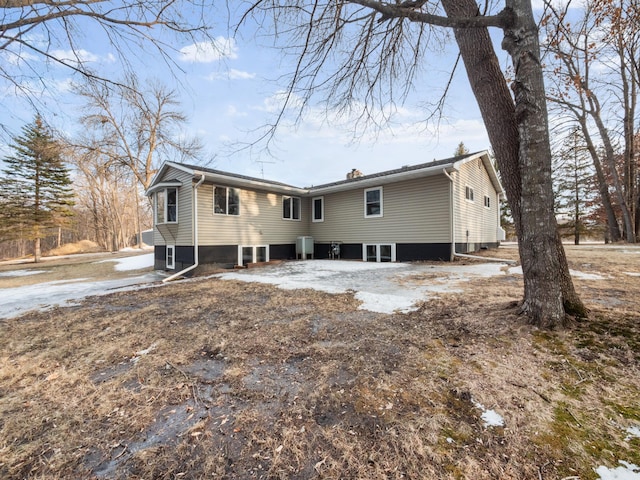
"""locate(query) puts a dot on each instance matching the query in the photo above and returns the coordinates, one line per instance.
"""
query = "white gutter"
(452, 214)
(195, 234)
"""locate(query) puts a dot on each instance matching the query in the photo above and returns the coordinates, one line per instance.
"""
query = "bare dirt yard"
(213, 378)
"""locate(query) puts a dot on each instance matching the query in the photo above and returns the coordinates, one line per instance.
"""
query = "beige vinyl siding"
(260, 221)
(414, 211)
(180, 233)
(474, 217)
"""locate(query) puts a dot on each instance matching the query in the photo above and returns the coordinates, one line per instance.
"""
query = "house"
(421, 212)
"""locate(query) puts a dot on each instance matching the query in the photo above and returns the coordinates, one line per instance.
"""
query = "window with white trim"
(170, 257)
(226, 201)
(317, 214)
(379, 252)
(167, 205)
(487, 201)
(468, 193)
(252, 254)
(373, 202)
(290, 208)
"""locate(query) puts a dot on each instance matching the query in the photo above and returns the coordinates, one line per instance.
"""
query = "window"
(468, 193)
(379, 252)
(487, 201)
(171, 257)
(291, 208)
(373, 202)
(252, 254)
(167, 205)
(318, 209)
(226, 201)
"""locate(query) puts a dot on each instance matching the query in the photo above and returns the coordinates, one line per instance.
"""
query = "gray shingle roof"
(407, 168)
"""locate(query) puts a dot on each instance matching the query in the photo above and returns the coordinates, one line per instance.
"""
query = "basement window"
(171, 257)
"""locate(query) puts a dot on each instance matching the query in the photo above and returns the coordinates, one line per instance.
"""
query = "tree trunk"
(519, 136)
(36, 250)
(617, 183)
(603, 186)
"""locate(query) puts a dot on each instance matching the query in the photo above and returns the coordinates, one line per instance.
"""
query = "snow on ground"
(40, 296)
(491, 418)
(381, 287)
(21, 273)
(132, 263)
(574, 273)
(626, 471)
(632, 274)
(633, 432)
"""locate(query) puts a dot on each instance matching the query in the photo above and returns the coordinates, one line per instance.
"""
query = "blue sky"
(230, 92)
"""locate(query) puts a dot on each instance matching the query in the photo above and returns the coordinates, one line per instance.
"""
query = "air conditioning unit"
(304, 248)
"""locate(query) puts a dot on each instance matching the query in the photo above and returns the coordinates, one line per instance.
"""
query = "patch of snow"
(136, 262)
(41, 296)
(21, 273)
(632, 274)
(381, 287)
(491, 417)
(634, 432)
(515, 270)
(627, 471)
(450, 440)
(574, 273)
(586, 276)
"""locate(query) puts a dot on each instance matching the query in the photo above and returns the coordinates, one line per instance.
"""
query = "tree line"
(91, 186)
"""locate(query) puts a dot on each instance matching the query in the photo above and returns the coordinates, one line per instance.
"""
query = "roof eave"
(382, 180)
(243, 182)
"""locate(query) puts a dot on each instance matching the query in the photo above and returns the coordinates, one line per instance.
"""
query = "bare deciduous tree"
(362, 49)
(37, 34)
(593, 68)
(135, 127)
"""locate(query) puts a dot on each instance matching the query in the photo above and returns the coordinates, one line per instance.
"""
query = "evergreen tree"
(574, 180)
(36, 194)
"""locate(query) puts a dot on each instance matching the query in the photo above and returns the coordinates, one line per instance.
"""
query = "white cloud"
(75, 56)
(232, 111)
(240, 75)
(208, 52)
(232, 74)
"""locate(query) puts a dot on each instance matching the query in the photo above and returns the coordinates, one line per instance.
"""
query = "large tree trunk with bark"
(519, 135)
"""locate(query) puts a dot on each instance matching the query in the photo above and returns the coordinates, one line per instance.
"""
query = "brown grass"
(219, 379)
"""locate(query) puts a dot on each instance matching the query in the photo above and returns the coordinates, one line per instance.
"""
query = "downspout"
(195, 234)
(451, 213)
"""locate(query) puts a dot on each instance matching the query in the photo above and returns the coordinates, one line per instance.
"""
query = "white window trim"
(171, 265)
(473, 196)
(487, 198)
(313, 211)
(254, 247)
(377, 245)
(227, 203)
(377, 215)
(166, 205)
(299, 208)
